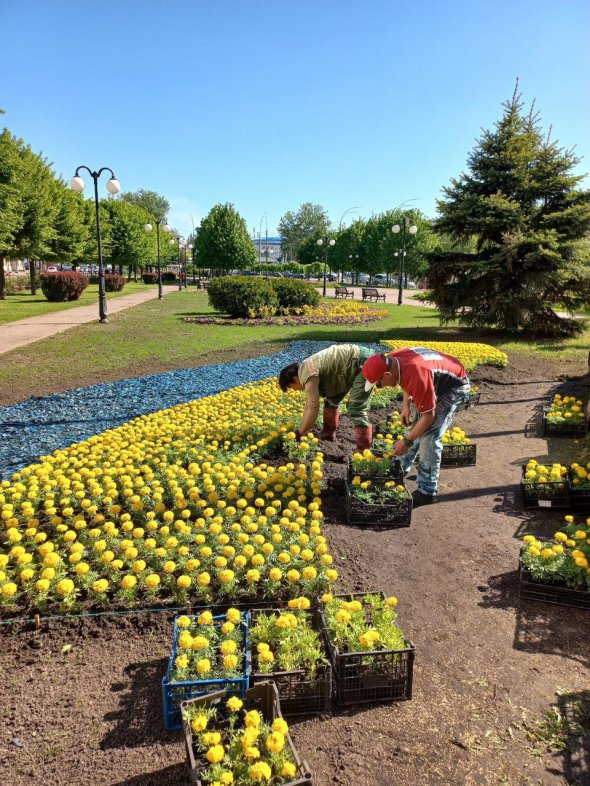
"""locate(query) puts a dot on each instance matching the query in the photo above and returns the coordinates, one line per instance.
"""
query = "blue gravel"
(40, 425)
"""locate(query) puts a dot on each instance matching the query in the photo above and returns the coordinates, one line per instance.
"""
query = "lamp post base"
(104, 321)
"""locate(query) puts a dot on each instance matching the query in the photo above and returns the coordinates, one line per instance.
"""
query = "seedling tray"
(579, 497)
(390, 516)
(558, 594)
(458, 455)
(300, 691)
(563, 429)
(174, 693)
(367, 677)
(263, 697)
(396, 473)
(553, 494)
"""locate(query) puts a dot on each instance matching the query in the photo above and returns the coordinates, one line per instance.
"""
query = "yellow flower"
(65, 587)
(128, 582)
(215, 754)
(204, 666)
(234, 704)
(260, 771)
(9, 589)
(275, 742)
(252, 719)
(230, 662)
(205, 618)
(100, 586)
(199, 723)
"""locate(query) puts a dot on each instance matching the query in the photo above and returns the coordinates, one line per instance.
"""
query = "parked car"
(331, 277)
(52, 269)
(380, 278)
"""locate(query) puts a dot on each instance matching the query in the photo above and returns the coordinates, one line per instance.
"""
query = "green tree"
(130, 244)
(519, 201)
(223, 242)
(155, 204)
(11, 207)
(309, 221)
(71, 229)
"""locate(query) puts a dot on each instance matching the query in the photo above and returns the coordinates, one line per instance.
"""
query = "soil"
(82, 698)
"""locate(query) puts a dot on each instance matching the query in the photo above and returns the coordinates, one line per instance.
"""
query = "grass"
(23, 305)
(151, 337)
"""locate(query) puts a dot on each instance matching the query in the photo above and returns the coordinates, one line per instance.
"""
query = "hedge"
(150, 278)
(113, 282)
(168, 277)
(63, 286)
(294, 294)
(242, 296)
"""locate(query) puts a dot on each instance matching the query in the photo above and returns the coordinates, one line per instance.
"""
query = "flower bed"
(564, 417)
(564, 561)
(368, 466)
(469, 354)
(286, 647)
(226, 744)
(168, 506)
(543, 486)
(377, 503)
(341, 313)
(208, 654)
(457, 451)
(371, 659)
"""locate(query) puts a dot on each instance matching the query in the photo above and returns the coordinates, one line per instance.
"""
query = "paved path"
(391, 295)
(25, 331)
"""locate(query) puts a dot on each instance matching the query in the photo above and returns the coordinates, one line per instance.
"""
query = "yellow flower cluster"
(247, 750)
(566, 409)
(580, 475)
(207, 647)
(456, 436)
(171, 503)
(541, 473)
(567, 559)
(368, 623)
(284, 637)
(469, 354)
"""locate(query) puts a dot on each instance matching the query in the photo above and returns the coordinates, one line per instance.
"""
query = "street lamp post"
(160, 222)
(352, 257)
(178, 241)
(412, 229)
(330, 242)
(113, 187)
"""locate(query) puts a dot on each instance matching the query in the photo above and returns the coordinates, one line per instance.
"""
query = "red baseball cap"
(373, 369)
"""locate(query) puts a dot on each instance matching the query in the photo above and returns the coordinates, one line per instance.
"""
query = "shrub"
(113, 282)
(18, 283)
(168, 277)
(241, 296)
(150, 278)
(294, 294)
(63, 286)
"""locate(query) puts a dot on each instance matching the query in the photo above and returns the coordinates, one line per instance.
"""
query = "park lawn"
(152, 337)
(23, 305)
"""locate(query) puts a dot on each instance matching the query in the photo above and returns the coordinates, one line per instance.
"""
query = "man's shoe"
(331, 420)
(364, 437)
(419, 498)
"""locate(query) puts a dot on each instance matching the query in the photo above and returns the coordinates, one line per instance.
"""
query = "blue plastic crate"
(173, 693)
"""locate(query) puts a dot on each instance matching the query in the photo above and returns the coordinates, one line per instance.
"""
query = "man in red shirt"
(438, 384)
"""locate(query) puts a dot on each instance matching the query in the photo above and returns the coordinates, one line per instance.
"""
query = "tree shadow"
(574, 709)
(174, 775)
(539, 628)
(139, 719)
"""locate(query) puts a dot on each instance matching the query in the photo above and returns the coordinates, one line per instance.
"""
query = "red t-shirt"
(426, 374)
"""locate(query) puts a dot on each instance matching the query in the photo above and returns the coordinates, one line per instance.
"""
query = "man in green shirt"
(331, 374)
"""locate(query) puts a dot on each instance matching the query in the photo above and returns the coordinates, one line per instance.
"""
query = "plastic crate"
(553, 494)
(396, 473)
(368, 677)
(458, 455)
(300, 692)
(361, 514)
(558, 594)
(262, 697)
(579, 497)
(563, 429)
(174, 693)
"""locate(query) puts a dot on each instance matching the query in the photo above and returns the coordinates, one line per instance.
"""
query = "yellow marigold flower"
(203, 666)
(260, 771)
(199, 643)
(215, 754)
(152, 581)
(128, 582)
(230, 662)
(288, 770)
(252, 719)
(228, 647)
(100, 586)
(42, 585)
(9, 589)
(183, 582)
(234, 704)
(199, 723)
(205, 618)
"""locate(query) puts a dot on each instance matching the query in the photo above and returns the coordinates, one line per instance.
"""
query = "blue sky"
(271, 104)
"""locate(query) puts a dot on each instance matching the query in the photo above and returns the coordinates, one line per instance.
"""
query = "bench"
(343, 292)
(370, 293)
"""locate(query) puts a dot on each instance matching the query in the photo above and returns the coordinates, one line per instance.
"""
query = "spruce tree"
(519, 205)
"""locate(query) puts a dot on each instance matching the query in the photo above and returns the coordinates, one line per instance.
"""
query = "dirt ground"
(81, 700)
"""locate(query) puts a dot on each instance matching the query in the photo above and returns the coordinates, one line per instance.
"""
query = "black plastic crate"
(262, 697)
(361, 514)
(553, 494)
(579, 498)
(558, 594)
(396, 473)
(563, 429)
(458, 455)
(368, 677)
(300, 691)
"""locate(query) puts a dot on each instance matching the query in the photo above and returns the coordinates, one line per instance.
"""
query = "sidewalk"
(26, 331)
(391, 295)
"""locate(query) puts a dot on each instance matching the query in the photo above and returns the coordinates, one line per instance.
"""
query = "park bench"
(343, 292)
(370, 293)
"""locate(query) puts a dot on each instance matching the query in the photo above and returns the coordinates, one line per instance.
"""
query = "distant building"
(14, 266)
(274, 248)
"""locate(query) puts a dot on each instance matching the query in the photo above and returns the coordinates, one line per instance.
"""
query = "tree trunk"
(33, 275)
(2, 280)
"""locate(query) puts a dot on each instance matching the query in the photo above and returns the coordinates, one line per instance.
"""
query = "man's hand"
(400, 448)
(406, 416)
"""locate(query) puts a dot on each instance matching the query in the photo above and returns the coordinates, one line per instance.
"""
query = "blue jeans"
(429, 446)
